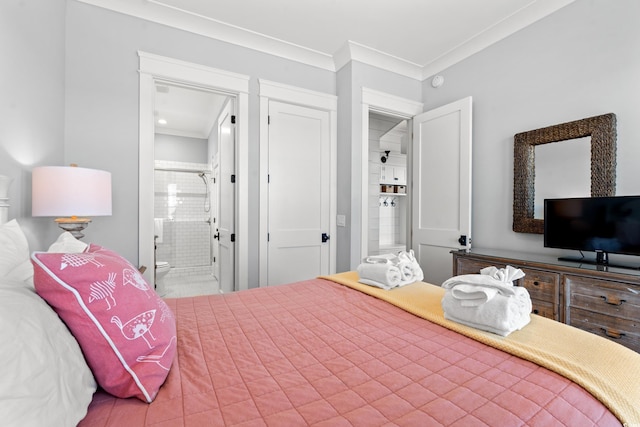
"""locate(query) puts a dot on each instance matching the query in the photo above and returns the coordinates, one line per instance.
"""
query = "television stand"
(598, 298)
(604, 262)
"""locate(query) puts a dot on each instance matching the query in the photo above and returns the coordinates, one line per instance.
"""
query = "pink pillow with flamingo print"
(126, 331)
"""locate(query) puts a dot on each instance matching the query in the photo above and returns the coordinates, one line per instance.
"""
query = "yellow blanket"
(609, 371)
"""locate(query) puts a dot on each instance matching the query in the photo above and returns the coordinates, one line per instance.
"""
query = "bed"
(325, 351)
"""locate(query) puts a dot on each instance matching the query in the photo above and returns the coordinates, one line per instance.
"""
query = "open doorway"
(393, 118)
(388, 208)
(155, 69)
(186, 193)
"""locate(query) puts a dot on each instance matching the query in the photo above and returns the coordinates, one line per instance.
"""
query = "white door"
(441, 213)
(298, 193)
(215, 210)
(225, 227)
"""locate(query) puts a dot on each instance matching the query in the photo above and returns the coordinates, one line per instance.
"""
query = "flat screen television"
(597, 224)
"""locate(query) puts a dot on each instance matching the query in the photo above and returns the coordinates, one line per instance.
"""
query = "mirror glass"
(562, 170)
(553, 162)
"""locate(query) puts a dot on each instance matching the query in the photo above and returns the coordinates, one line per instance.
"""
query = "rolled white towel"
(472, 295)
(381, 259)
(381, 275)
(409, 267)
(406, 270)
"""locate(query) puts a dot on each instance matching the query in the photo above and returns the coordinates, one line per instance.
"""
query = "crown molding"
(202, 25)
(162, 14)
(153, 11)
(522, 18)
(352, 51)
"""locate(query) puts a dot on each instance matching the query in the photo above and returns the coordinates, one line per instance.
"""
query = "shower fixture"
(207, 200)
(385, 156)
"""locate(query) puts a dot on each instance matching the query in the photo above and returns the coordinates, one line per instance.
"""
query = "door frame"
(159, 68)
(269, 90)
(390, 105)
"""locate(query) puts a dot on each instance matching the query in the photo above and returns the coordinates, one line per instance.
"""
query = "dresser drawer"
(544, 309)
(606, 297)
(542, 285)
(622, 331)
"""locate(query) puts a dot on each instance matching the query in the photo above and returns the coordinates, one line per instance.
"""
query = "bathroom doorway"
(387, 190)
(186, 143)
(155, 69)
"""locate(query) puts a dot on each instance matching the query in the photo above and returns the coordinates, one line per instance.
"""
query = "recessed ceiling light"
(162, 121)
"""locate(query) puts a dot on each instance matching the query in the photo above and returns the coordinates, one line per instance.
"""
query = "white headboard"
(5, 182)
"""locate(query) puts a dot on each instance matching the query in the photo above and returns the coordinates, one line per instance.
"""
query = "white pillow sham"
(45, 378)
(15, 262)
(67, 244)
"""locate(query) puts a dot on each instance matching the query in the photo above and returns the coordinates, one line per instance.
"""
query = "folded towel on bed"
(488, 301)
(383, 275)
(500, 315)
(381, 270)
(477, 289)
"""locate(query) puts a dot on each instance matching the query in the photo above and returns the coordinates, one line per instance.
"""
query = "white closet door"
(441, 187)
(299, 193)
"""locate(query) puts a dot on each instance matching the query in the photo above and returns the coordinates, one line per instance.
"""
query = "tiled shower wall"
(181, 202)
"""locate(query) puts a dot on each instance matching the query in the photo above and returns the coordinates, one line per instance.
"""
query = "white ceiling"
(418, 31)
(188, 112)
(416, 38)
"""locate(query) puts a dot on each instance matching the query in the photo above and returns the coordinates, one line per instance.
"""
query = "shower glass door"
(183, 217)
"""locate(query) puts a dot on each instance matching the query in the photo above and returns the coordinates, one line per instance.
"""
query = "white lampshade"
(70, 191)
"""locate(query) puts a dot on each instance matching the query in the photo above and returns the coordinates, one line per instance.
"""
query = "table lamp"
(72, 194)
(5, 181)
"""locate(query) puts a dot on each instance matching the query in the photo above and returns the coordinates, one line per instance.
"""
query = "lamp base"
(73, 225)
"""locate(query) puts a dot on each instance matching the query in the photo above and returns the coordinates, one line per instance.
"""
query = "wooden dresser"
(601, 300)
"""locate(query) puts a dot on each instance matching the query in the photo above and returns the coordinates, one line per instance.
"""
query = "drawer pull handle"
(536, 311)
(536, 283)
(612, 300)
(612, 333)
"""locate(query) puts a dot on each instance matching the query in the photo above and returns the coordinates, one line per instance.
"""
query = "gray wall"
(102, 104)
(70, 94)
(31, 103)
(580, 62)
(180, 148)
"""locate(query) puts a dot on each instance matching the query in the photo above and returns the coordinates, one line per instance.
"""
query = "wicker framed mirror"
(601, 129)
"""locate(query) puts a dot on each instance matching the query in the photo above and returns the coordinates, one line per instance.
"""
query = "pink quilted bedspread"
(318, 353)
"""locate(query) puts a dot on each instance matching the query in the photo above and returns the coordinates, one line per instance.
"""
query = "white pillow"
(67, 244)
(15, 262)
(45, 379)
